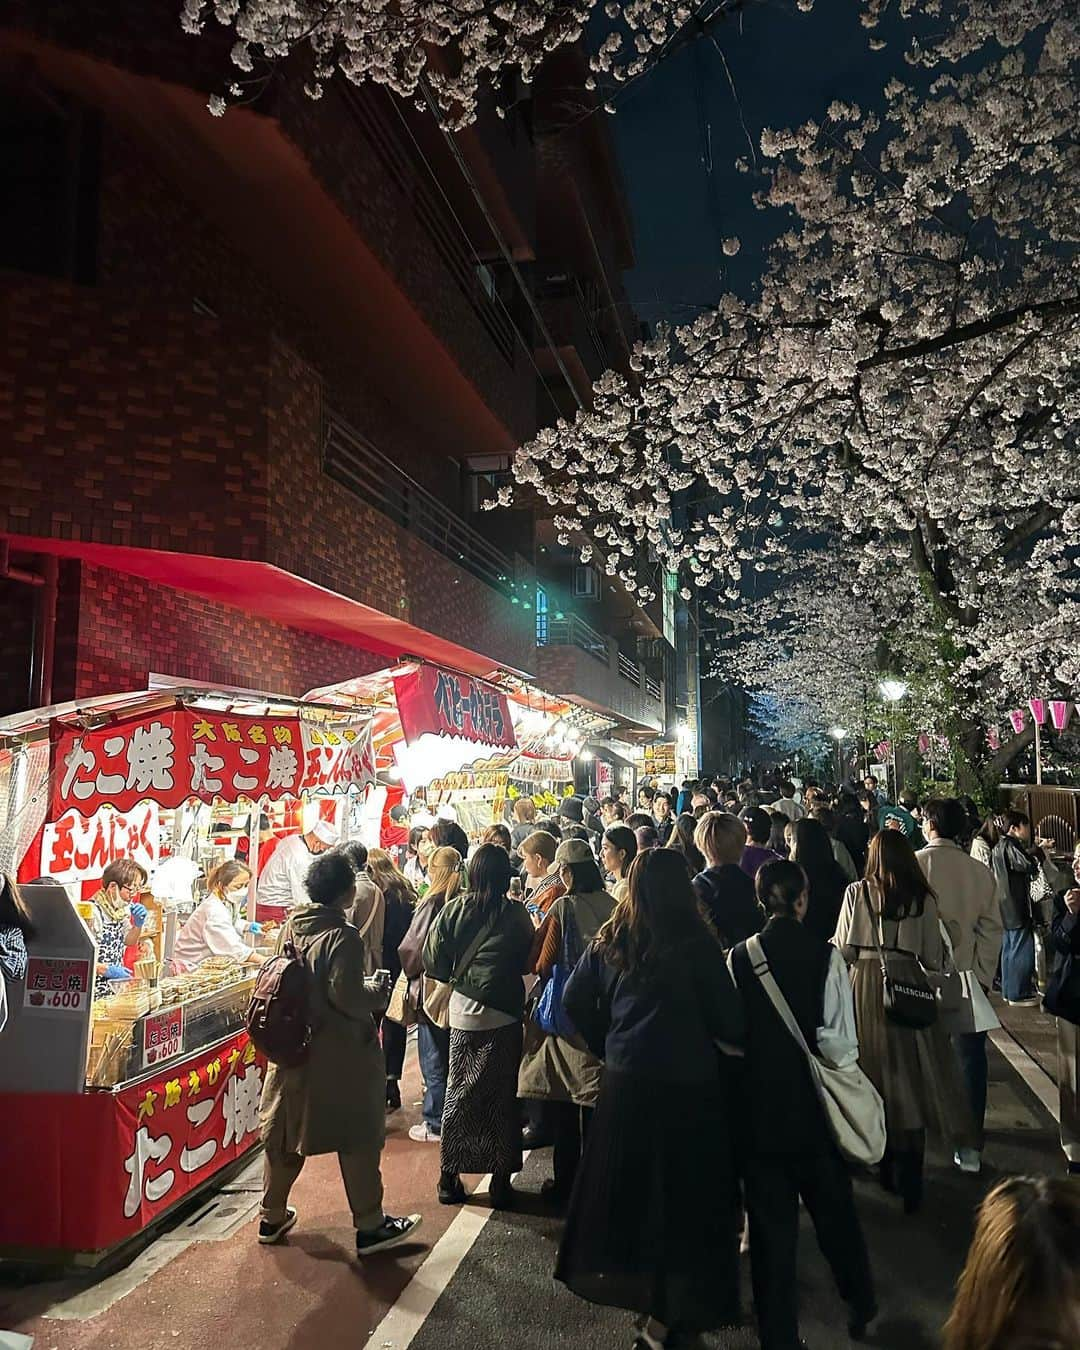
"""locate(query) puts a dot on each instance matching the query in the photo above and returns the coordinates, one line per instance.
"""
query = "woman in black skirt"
(652, 1221)
(480, 944)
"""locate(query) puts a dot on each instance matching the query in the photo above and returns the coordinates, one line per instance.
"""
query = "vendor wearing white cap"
(281, 886)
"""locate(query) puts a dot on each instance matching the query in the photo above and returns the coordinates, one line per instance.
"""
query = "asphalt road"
(481, 1279)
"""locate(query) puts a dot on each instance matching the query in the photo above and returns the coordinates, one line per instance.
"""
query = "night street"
(476, 1279)
(539, 680)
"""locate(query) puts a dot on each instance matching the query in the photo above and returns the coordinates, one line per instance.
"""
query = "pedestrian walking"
(1015, 866)
(786, 804)
(787, 1150)
(432, 1040)
(968, 903)
(617, 852)
(1018, 1289)
(399, 901)
(826, 817)
(723, 888)
(756, 852)
(652, 1224)
(665, 821)
(367, 913)
(480, 943)
(681, 841)
(334, 1101)
(557, 1067)
(852, 830)
(1063, 1000)
(914, 1069)
(811, 847)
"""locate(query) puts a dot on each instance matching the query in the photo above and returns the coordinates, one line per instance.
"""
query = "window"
(541, 617)
(484, 476)
(586, 583)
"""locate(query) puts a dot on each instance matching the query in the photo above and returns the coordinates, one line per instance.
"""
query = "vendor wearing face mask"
(214, 927)
(118, 919)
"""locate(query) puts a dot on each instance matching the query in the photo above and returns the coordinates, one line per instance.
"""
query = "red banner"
(170, 756)
(440, 703)
(91, 1169)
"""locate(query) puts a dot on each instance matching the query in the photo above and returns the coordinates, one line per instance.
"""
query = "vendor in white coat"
(214, 929)
(281, 886)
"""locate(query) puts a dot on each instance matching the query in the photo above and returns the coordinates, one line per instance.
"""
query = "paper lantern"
(993, 738)
(1038, 710)
(1060, 712)
(924, 742)
(1016, 717)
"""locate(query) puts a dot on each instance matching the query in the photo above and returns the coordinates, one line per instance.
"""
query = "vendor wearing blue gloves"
(215, 927)
(118, 920)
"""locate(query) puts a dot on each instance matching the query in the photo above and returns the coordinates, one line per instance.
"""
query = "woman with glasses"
(118, 920)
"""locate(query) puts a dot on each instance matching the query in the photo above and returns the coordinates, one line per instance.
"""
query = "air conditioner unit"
(586, 583)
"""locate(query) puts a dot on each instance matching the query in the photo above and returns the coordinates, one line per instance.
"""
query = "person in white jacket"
(214, 927)
(281, 886)
(967, 897)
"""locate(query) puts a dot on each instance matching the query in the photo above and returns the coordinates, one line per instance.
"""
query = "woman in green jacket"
(481, 944)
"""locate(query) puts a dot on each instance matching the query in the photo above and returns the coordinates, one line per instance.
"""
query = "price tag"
(163, 1036)
(56, 984)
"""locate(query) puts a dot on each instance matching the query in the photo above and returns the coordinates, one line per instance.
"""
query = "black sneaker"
(393, 1095)
(390, 1233)
(274, 1232)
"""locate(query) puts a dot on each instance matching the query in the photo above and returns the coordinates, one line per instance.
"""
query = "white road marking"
(1033, 1074)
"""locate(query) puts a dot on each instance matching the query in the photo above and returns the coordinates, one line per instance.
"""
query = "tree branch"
(966, 332)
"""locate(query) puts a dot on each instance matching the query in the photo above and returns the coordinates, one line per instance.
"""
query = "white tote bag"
(852, 1105)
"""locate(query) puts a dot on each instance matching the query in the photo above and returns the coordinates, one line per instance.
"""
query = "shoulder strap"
(873, 926)
(474, 946)
(374, 910)
(760, 966)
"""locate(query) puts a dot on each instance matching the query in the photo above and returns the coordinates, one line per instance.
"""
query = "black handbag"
(910, 1000)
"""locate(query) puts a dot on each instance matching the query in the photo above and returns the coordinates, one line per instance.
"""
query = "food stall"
(119, 1102)
(453, 740)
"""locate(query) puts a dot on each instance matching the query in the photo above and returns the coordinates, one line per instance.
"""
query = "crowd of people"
(595, 982)
(639, 986)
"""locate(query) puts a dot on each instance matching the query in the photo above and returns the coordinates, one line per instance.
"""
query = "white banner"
(337, 756)
(76, 849)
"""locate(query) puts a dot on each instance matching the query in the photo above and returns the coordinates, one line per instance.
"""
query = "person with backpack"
(312, 1014)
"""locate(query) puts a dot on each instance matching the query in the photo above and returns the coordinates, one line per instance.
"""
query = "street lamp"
(839, 735)
(892, 691)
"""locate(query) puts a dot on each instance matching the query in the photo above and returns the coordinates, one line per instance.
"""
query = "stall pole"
(1038, 753)
(253, 855)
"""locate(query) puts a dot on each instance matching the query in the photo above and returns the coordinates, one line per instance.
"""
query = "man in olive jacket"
(335, 1102)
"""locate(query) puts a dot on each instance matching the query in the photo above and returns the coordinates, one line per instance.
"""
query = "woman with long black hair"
(681, 841)
(652, 1220)
(812, 849)
(915, 1069)
(481, 943)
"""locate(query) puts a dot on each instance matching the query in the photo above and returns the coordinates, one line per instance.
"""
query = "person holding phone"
(118, 920)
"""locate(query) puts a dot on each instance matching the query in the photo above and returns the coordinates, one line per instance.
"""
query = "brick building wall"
(128, 627)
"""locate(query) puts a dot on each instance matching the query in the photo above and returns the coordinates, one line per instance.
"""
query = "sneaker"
(1032, 1002)
(423, 1134)
(274, 1232)
(968, 1160)
(451, 1191)
(393, 1095)
(390, 1233)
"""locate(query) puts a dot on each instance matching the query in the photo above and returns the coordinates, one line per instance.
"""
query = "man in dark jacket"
(724, 889)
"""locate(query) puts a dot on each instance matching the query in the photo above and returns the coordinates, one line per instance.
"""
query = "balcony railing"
(432, 213)
(629, 670)
(351, 460)
(574, 632)
(652, 687)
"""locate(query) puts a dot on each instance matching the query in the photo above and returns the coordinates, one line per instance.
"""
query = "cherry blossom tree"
(887, 429)
(454, 47)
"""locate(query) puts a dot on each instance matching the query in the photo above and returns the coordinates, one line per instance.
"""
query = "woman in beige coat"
(915, 1070)
(335, 1101)
(556, 1069)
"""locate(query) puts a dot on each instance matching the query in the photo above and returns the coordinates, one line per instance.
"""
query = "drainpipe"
(44, 650)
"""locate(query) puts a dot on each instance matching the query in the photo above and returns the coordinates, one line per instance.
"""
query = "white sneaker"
(1032, 1002)
(423, 1134)
(968, 1160)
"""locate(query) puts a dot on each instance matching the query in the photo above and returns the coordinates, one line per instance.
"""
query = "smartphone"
(382, 975)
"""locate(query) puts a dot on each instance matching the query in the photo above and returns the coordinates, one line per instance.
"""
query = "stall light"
(559, 727)
(394, 774)
(587, 755)
(892, 691)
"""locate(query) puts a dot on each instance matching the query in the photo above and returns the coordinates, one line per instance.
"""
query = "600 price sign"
(56, 984)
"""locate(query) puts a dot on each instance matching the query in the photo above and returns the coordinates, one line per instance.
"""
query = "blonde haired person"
(432, 1042)
(723, 888)
(1019, 1287)
(524, 813)
(212, 930)
(400, 899)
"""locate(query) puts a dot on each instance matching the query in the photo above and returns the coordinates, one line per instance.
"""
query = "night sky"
(787, 67)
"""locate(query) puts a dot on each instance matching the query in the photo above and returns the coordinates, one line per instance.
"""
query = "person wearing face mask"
(213, 929)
